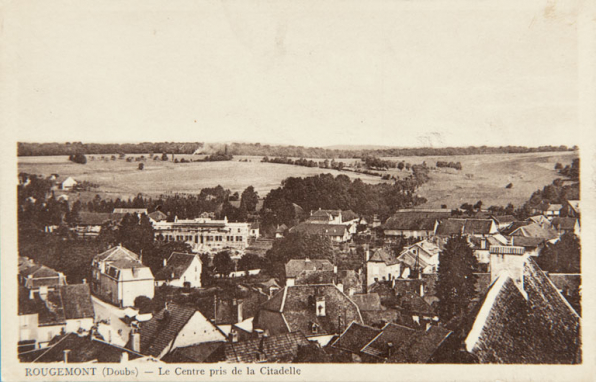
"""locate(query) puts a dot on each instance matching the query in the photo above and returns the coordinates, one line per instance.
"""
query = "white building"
(180, 269)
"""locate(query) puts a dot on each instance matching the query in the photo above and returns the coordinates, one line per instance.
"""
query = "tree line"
(257, 149)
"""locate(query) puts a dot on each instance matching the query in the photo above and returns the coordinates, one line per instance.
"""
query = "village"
(325, 286)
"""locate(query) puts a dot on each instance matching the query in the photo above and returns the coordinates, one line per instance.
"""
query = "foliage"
(249, 199)
(141, 166)
(78, 158)
(251, 261)
(456, 278)
(223, 263)
(562, 257)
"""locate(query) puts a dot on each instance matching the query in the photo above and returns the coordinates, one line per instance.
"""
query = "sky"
(393, 73)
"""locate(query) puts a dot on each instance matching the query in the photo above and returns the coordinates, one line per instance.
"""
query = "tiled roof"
(296, 307)
(514, 226)
(177, 264)
(116, 253)
(502, 219)
(421, 346)
(392, 335)
(413, 303)
(564, 223)
(410, 222)
(158, 216)
(538, 328)
(277, 348)
(534, 230)
(355, 337)
(77, 301)
(159, 331)
(320, 229)
(528, 242)
(384, 256)
(195, 353)
(84, 349)
(451, 227)
(296, 266)
(465, 226)
(370, 301)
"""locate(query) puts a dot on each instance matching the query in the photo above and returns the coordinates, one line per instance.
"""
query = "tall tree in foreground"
(456, 282)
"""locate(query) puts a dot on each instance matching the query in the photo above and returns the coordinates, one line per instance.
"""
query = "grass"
(483, 177)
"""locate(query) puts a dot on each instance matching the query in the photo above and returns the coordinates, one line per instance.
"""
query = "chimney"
(135, 340)
(124, 357)
(390, 349)
(239, 307)
(165, 262)
(260, 333)
(84, 281)
(421, 289)
(66, 352)
(43, 292)
(233, 335)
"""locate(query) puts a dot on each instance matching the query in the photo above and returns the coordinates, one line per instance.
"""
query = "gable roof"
(382, 255)
(296, 266)
(421, 347)
(293, 309)
(465, 226)
(392, 335)
(538, 326)
(349, 215)
(163, 328)
(177, 264)
(534, 230)
(277, 348)
(355, 337)
(117, 253)
(158, 216)
(198, 353)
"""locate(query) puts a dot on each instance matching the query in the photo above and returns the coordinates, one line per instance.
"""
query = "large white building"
(205, 234)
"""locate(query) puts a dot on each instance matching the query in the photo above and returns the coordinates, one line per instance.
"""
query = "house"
(566, 225)
(532, 245)
(314, 310)
(325, 217)
(68, 184)
(90, 223)
(382, 265)
(254, 230)
(541, 220)
(338, 233)
(280, 231)
(175, 326)
(422, 256)
(409, 225)
(300, 268)
(35, 277)
(521, 319)
(548, 210)
(573, 208)
(277, 348)
(47, 313)
(73, 348)
(118, 276)
(180, 270)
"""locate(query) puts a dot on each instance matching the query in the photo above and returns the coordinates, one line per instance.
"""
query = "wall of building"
(196, 331)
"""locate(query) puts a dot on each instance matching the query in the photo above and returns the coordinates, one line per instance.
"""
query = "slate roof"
(371, 301)
(511, 328)
(296, 266)
(159, 331)
(320, 229)
(116, 253)
(355, 337)
(84, 349)
(382, 255)
(293, 309)
(277, 348)
(177, 264)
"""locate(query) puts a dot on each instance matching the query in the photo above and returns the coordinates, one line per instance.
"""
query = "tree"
(456, 278)
(164, 157)
(141, 166)
(78, 158)
(563, 256)
(249, 199)
(250, 261)
(223, 263)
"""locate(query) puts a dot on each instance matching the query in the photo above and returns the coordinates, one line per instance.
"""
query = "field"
(483, 177)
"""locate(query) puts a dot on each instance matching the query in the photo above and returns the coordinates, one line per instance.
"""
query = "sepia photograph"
(298, 190)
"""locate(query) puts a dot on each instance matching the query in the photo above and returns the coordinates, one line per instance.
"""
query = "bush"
(510, 185)
(141, 166)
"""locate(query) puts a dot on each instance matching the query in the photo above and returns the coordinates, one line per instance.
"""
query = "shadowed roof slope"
(177, 264)
(278, 348)
(160, 330)
(296, 266)
(117, 253)
(356, 337)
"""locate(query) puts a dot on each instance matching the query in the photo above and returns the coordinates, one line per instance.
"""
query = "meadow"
(483, 177)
